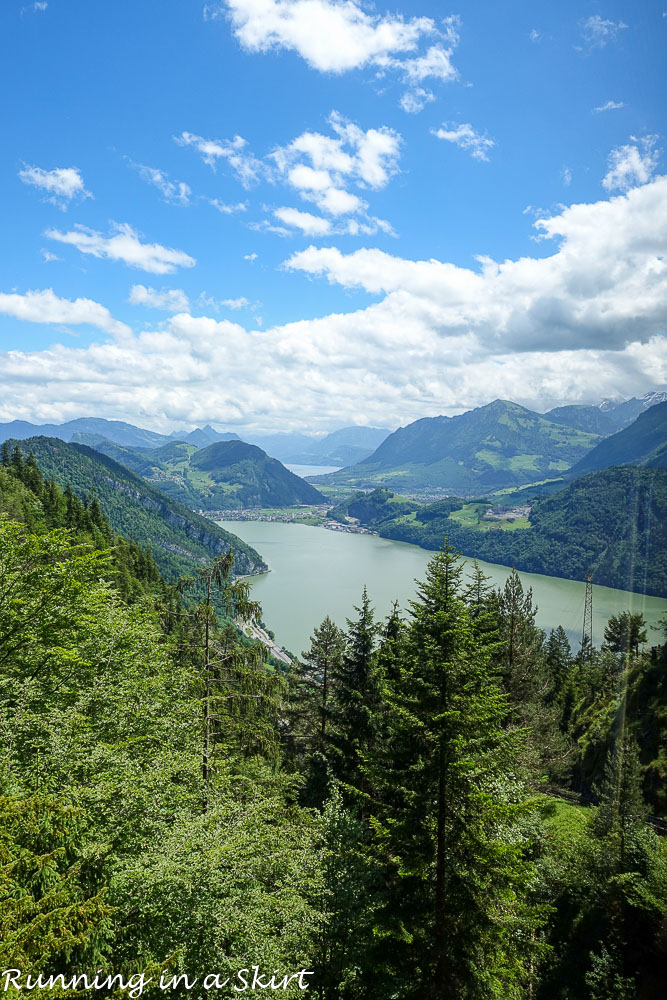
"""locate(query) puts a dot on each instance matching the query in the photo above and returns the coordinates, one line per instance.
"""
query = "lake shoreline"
(322, 572)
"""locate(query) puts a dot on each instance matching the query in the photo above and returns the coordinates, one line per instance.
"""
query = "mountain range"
(643, 442)
(498, 445)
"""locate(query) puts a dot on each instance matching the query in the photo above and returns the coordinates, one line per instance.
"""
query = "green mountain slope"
(226, 475)
(498, 445)
(231, 474)
(179, 539)
(613, 523)
(644, 442)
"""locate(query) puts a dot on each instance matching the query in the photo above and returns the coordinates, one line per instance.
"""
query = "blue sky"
(298, 214)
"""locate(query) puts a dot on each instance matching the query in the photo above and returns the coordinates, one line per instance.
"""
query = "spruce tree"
(311, 698)
(452, 924)
(356, 693)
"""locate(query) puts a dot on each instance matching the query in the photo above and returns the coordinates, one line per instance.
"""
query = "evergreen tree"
(558, 656)
(625, 633)
(356, 693)
(452, 922)
(311, 698)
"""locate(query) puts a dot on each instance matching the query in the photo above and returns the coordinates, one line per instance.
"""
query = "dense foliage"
(386, 819)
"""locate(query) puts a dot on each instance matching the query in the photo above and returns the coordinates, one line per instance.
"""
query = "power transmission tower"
(587, 634)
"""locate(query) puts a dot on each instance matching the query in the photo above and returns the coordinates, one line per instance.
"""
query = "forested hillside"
(379, 824)
(178, 538)
(611, 523)
(224, 475)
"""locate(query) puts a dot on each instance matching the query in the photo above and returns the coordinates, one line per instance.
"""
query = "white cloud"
(174, 192)
(467, 138)
(228, 209)
(240, 303)
(247, 168)
(436, 63)
(125, 245)
(333, 37)
(250, 256)
(61, 185)
(169, 299)
(336, 36)
(605, 285)
(310, 225)
(49, 257)
(566, 176)
(535, 35)
(322, 168)
(584, 321)
(414, 101)
(598, 32)
(631, 165)
(46, 307)
(609, 106)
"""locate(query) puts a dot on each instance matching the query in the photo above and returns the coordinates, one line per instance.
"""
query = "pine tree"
(453, 923)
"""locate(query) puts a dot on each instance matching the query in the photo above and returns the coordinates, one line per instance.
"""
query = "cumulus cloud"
(323, 168)
(609, 106)
(46, 307)
(234, 151)
(467, 138)
(173, 192)
(60, 185)
(332, 37)
(598, 31)
(336, 36)
(606, 283)
(632, 164)
(584, 321)
(169, 299)
(125, 245)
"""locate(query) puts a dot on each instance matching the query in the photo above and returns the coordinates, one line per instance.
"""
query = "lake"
(311, 470)
(316, 572)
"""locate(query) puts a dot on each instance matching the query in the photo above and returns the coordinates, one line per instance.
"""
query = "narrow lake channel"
(316, 572)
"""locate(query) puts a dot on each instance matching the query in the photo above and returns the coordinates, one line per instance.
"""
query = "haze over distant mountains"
(497, 445)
